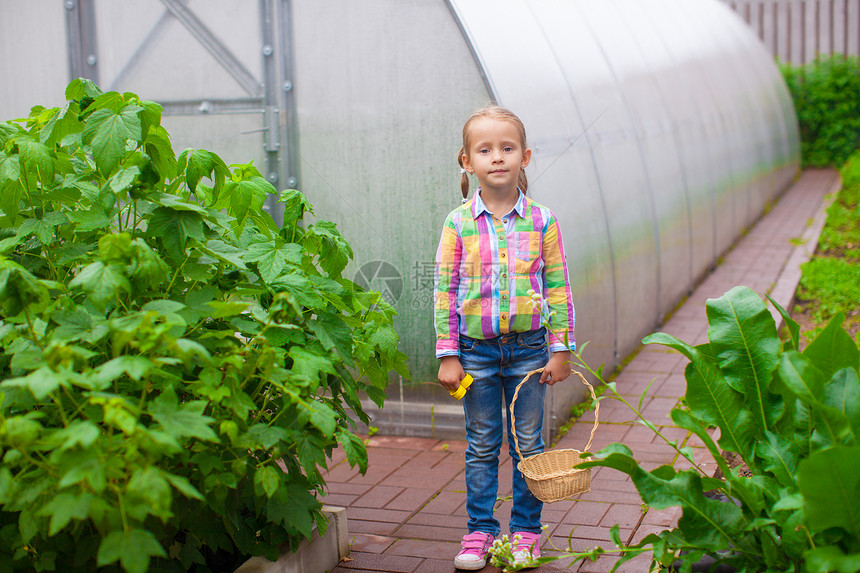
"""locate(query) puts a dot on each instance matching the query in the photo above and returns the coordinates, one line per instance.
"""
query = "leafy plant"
(176, 367)
(830, 283)
(793, 418)
(826, 96)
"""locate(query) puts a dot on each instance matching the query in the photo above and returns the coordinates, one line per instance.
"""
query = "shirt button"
(502, 255)
(504, 317)
(504, 220)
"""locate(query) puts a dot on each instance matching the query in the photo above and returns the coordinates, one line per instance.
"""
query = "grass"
(830, 283)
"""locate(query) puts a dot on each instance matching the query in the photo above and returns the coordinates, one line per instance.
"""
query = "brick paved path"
(407, 514)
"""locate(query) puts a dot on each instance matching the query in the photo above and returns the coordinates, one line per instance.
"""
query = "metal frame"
(268, 97)
(81, 39)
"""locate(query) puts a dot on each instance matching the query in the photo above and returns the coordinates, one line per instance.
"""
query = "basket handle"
(514, 400)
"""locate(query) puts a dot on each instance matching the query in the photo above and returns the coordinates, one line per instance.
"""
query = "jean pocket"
(467, 344)
(533, 340)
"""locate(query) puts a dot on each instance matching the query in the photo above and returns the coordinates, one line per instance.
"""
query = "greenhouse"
(661, 130)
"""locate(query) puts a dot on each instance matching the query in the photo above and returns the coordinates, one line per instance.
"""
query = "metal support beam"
(289, 126)
(271, 124)
(81, 39)
(214, 46)
(137, 57)
(215, 106)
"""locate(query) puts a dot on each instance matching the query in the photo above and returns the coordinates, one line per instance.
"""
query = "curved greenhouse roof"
(661, 129)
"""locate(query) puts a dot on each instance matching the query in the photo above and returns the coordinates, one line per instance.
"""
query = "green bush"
(826, 96)
(175, 368)
(792, 417)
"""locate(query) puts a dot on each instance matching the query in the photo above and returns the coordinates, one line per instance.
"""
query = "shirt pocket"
(527, 257)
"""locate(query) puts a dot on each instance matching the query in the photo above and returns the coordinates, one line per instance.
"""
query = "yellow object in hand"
(464, 385)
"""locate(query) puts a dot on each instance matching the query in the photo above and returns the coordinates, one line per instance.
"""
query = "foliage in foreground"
(175, 367)
(826, 94)
(793, 417)
(831, 279)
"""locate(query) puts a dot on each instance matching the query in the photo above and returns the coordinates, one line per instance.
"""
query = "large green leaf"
(807, 382)
(102, 283)
(746, 345)
(780, 457)
(199, 163)
(36, 158)
(830, 558)
(272, 258)
(711, 398)
(63, 122)
(843, 395)
(107, 131)
(245, 195)
(19, 289)
(174, 227)
(833, 349)
(182, 420)
(830, 483)
(709, 523)
(132, 548)
(160, 151)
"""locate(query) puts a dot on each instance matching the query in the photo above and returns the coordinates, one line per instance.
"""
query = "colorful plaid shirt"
(485, 267)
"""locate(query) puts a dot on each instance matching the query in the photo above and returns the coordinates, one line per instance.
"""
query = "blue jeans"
(498, 365)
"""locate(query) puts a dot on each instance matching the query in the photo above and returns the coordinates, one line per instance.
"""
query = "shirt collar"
(479, 207)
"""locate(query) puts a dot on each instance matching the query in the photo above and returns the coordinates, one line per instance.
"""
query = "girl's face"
(495, 154)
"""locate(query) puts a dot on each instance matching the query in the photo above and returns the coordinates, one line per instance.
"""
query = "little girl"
(495, 249)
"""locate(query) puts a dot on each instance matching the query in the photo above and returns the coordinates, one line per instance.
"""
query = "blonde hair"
(492, 112)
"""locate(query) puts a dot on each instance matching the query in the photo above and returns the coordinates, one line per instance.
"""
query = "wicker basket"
(551, 475)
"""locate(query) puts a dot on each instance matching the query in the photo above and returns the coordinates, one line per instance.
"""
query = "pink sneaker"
(526, 548)
(473, 556)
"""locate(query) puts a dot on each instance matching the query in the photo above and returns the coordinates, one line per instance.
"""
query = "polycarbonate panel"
(382, 91)
(690, 129)
(666, 58)
(144, 49)
(35, 66)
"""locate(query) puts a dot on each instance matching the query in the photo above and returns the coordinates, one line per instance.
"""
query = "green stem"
(176, 274)
(639, 415)
(33, 336)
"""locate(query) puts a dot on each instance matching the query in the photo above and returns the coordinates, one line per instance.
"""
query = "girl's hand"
(557, 369)
(451, 372)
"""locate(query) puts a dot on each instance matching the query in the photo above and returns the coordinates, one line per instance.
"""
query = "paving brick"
(433, 533)
(441, 566)
(663, 517)
(371, 527)
(587, 513)
(592, 533)
(360, 561)
(369, 543)
(411, 499)
(378, 496)
(339, 499)
(603, 564)
(451, 446)
(613, 497)
(625, 515)
(427, 549)
(375, 474)
(445, 503)
(436, 520)
(402, 442)
(377, 514)
(346, 488)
